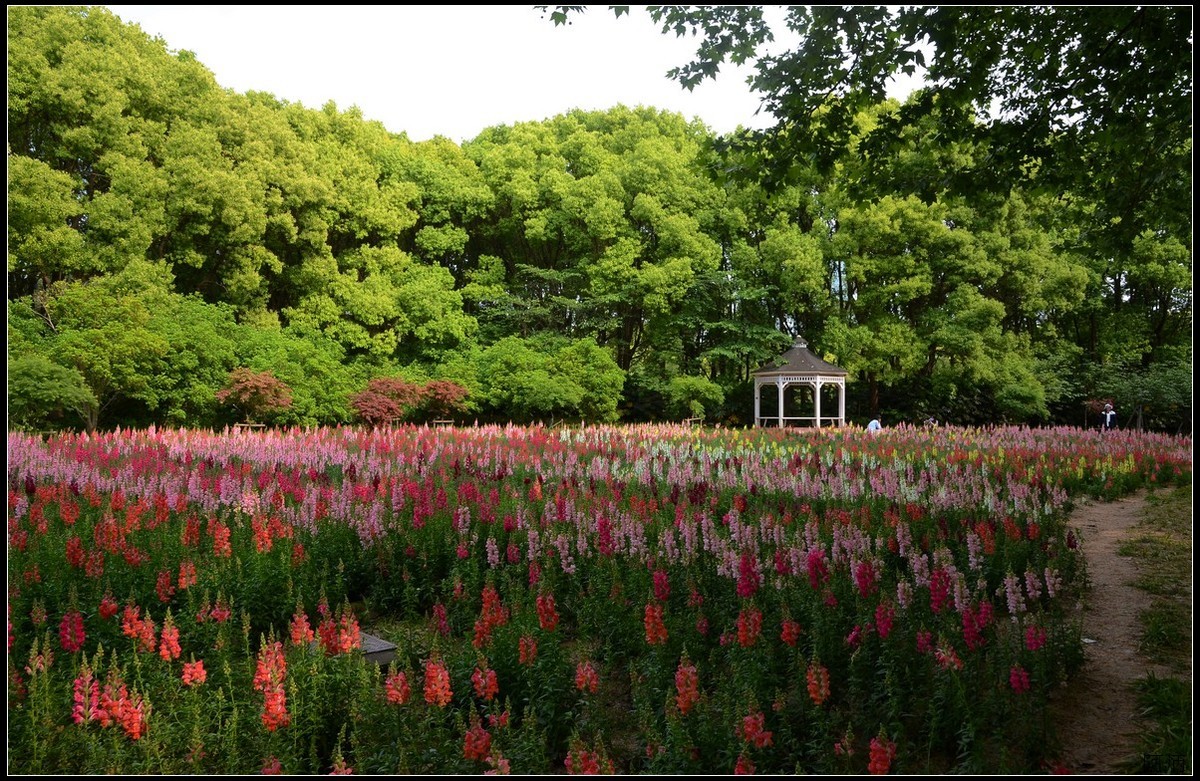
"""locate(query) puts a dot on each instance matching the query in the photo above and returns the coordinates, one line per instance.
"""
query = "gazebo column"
(779, 384)
(757, 400)
(817, 403)
(842, 401)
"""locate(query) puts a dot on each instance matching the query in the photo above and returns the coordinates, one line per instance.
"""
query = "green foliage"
(1166, 748)
(1158, 397)
(986, 74)
(40, 391)
(380, 303)
(542, 378)
(694, 396)
(163, 231)
(312, 366)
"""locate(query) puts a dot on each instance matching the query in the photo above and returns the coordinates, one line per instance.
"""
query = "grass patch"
(1165, 749)
(1162, 552)
(1166, 634)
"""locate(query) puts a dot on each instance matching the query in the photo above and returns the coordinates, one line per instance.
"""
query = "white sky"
(448, 70)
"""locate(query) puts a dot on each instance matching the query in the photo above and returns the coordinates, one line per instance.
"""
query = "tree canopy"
(959, 253)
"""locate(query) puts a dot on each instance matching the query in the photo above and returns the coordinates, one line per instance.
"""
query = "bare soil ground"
(1097, 714)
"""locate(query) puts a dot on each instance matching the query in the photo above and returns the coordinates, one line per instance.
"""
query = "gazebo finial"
(799, 341)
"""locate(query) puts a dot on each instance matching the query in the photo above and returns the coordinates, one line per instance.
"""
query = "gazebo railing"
(778, 422)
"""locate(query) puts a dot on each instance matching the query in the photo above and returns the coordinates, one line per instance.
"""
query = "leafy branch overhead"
(1093, 100)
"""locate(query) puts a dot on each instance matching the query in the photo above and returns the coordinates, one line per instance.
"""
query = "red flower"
(268, 678)
(818, 570)
(947, 657)
(194, 673)
(885, 616)
(275, 713)
(528, 649)
(75, 553)
(87, 697)
(168, 645)
(865, 578)
(939, 589)
(478, 743)
(790, 633)
(754, 731)
(748, 578)
(187, 574)
(883, 751)
(485, 683)
(662, 585)
(108, 607)
(581, 761)
(300, 631)
(220, 534)
(165, 585)
(547, 615)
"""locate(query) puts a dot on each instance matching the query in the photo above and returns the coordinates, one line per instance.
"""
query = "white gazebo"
(798, 366)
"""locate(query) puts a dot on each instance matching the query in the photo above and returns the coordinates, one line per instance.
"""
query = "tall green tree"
(601, 226)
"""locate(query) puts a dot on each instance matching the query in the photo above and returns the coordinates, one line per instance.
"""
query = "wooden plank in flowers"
(378, 650)
(375, 649)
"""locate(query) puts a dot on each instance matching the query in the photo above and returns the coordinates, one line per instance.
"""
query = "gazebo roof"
(799, 360)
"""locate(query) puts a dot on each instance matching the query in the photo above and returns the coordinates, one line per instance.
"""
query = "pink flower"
(1018, 678)
(70, 631)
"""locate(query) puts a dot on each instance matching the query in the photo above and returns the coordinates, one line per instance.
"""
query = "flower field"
(628, 599)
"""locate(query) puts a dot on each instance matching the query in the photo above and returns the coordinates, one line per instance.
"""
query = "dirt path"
(1096, 714)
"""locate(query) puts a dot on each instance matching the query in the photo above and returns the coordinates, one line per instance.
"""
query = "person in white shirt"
(1108, 418)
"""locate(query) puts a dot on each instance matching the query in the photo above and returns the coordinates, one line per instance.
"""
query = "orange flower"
(687, 686)
(168, 646)
(437, 684)
(398, 690)
(656, 630)
(818, 682)
(194, 673)
(586, 679)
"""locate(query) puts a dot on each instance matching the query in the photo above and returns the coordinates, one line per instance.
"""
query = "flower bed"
(665, 599)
